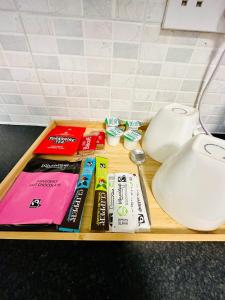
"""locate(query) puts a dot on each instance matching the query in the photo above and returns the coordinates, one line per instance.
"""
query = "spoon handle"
(143, 189)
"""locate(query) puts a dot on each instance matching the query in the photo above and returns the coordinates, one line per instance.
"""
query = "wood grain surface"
(164, 228)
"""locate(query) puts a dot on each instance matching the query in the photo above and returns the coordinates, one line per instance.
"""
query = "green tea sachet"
(100, 220)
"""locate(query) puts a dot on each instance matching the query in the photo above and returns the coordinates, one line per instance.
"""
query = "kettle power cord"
(204, 89)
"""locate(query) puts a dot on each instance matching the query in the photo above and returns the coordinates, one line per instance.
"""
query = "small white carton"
(123, 220)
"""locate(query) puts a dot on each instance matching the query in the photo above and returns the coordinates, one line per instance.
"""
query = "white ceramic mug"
(171, 127)
(190, 185)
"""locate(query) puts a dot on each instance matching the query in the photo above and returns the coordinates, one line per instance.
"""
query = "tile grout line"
(86, 70)
(178, 91)
(60, 71)
(111, 62)
(13, 81)
(164, 61)
(30, 50)
(85, 58)
(98, 73)
(17, 86)
(186, 72)
(139, 57)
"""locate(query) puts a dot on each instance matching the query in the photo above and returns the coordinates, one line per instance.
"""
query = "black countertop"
(102, 270)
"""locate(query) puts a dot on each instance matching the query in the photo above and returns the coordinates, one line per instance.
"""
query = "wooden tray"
(163, 227)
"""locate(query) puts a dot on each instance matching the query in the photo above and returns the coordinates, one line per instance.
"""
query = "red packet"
(62, 140)
(88, 144)
(100, 143)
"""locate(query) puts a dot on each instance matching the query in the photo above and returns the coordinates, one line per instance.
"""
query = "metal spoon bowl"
(137, 156)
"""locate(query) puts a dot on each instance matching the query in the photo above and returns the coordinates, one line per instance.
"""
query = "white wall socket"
(195, 15)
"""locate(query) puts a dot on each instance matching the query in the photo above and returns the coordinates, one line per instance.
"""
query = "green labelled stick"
(100, 220)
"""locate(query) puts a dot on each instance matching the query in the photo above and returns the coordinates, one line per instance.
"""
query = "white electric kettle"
(171, 127)
(190, 184)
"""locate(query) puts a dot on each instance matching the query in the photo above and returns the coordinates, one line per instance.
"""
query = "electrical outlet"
(195, 15)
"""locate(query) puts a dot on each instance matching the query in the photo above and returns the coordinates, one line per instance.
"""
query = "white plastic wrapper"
(126, 207)
(123, 220)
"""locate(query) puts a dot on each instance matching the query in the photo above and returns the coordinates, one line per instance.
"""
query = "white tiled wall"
(91, 58)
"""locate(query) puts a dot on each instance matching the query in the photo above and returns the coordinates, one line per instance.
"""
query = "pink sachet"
(41, 193)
